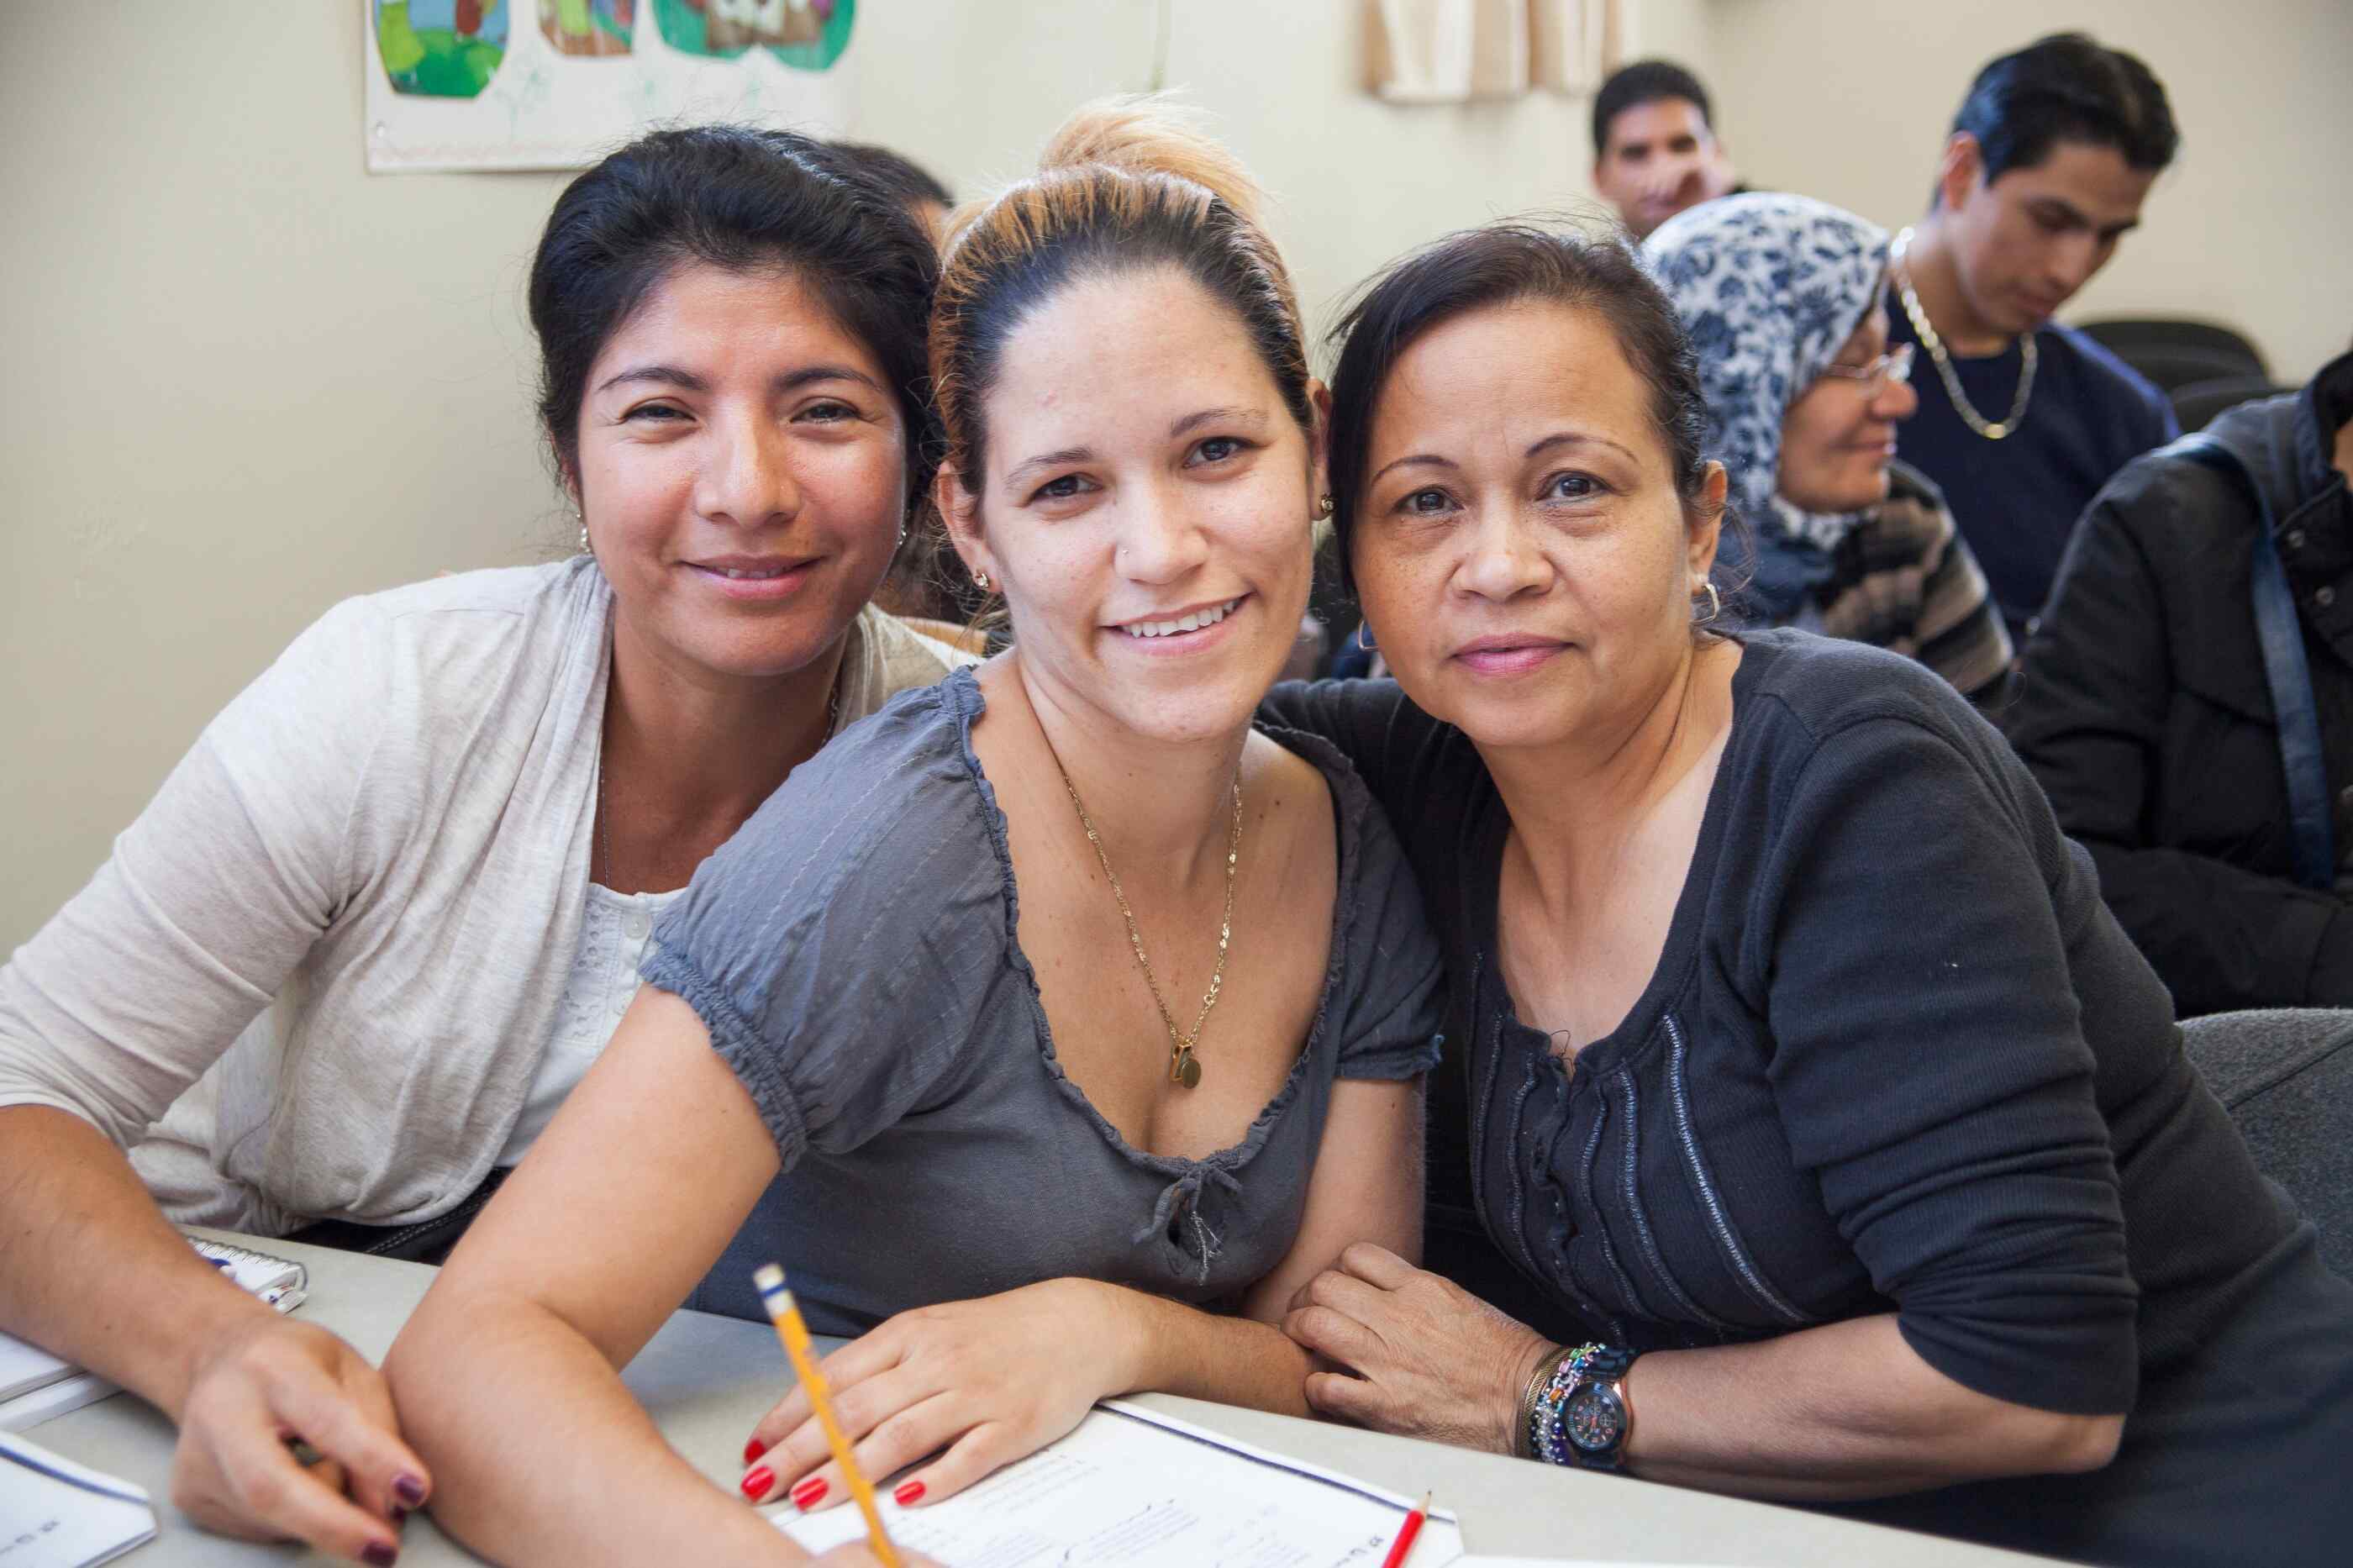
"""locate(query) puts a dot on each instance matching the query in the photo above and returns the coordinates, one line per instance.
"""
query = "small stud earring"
(1324, 507)
(583, 521)
(980, 581)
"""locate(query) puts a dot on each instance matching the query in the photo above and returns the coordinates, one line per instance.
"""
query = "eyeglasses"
(1895, 365)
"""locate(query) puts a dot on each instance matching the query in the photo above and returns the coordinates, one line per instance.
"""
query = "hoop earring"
(1364, 637)
(1714, 605)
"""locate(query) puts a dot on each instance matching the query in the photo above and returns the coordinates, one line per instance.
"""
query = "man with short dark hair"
(1655, 151)
(2023, 420)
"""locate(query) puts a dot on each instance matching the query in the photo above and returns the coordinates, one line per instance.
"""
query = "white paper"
(24, 1368)
(1563, 1563)
(55, 1513)
(1133, 1488)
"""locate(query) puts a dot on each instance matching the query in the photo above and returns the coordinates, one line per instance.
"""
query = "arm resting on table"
(507, 1374)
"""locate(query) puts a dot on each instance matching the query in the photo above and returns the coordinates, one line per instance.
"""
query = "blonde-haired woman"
(1094, 1028)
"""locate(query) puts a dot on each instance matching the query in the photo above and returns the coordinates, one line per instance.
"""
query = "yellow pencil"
(786, 1314)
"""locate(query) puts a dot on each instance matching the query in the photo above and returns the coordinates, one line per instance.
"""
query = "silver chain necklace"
(603, 851)
(1993, 429)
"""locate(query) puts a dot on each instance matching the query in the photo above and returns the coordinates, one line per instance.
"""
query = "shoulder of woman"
(447, 631)
(430, 656)
(1805, 694)
(897, 790)
(912, 652)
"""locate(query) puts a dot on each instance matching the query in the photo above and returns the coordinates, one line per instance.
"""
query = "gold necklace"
(1992, 430)
(1184, 1068)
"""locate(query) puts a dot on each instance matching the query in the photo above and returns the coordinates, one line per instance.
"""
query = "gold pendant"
(1183, 1069)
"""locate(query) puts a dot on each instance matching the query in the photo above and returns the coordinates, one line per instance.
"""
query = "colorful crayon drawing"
(595, 28)
(807, 35)
(441, 48)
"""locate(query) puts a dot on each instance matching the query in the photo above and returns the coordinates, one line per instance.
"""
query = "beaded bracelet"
(1524, 1419)
(1546, 1440)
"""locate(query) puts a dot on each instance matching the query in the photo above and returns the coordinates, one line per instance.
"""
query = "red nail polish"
(909, 1494)
(810, 1493)
(756, 1484)
(753, 1450)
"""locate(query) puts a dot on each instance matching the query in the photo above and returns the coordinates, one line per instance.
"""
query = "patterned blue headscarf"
(1768, 286)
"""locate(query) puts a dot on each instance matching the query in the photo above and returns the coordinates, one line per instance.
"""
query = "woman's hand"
(274, 1381)
(991, 1381)
(858, 1554)
(1420, 1354)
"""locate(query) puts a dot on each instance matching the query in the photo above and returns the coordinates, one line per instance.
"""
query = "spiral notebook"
(35, 1385)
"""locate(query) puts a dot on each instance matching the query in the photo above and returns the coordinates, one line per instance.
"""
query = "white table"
(692, 1377)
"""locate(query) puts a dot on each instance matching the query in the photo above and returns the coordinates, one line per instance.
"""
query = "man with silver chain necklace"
(2023, 420)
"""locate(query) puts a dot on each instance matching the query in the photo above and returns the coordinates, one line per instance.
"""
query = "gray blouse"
(853, 951)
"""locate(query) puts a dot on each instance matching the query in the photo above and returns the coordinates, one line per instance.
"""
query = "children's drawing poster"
(556, 84)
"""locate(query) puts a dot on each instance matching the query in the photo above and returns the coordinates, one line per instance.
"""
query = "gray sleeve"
(1395, 995)
(210, 899)
(843, 947)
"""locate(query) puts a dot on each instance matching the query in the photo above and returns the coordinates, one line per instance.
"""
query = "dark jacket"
(2144, 711)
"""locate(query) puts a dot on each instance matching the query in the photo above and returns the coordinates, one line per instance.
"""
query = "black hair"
(896, 172)
(2067, 88)
(1644, 81)
(746, 201)
(1504, 264)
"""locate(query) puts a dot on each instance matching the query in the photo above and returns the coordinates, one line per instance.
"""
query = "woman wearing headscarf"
(1785, 300)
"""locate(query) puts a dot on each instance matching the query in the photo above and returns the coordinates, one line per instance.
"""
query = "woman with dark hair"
(1089, 1038)
(338, 975)
(1832, 1140)
(1785, 300)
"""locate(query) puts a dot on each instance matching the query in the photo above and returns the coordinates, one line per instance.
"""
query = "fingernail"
(909, 1494)
(753, 1450)
(810, 1493)
(409, 1489)
(379, 1555)
(756, 1484)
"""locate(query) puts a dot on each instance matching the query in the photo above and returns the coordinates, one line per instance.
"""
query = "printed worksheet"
(1133, 1488)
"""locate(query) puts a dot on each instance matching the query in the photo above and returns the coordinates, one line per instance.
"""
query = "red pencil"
(1403, 1546)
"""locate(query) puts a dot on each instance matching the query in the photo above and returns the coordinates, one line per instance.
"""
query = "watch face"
(1593, 1419)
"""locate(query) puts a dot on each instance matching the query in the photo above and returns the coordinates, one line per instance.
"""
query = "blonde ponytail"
(1154, 134)
(1124, 183)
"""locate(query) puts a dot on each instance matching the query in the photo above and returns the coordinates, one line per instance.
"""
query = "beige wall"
(2251, 227)
(246, 379)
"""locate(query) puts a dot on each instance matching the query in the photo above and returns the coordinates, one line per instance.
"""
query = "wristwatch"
(1594, 1418)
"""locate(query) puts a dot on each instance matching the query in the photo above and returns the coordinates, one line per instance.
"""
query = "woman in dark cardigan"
(1793, 1051)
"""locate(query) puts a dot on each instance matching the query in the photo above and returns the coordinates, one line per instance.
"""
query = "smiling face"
(1522, 556)
(741, 471)
(1839, 435)
(1146, 506)
(2024, 244)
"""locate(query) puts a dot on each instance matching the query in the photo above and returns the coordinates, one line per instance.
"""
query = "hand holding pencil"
(786, 1315)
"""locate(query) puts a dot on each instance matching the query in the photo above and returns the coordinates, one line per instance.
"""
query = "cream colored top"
(317, 975)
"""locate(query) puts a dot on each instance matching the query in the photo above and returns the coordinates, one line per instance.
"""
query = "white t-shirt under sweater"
(615, 931)
(317, 976)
